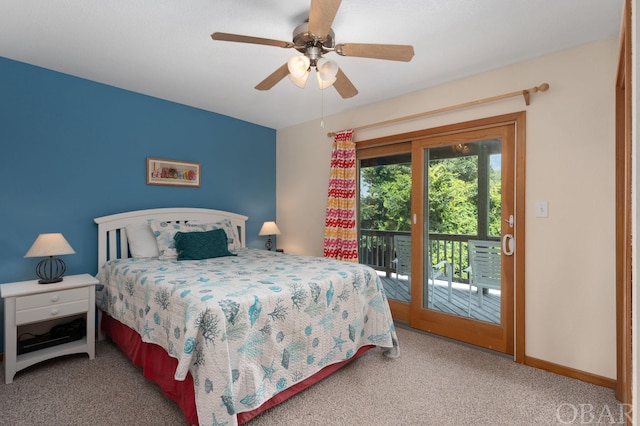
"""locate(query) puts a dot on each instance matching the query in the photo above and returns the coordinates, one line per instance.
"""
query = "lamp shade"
(269, 228)
(300, 81)
(49, 245)
(298, 66)
(327, 70)
(323, 84)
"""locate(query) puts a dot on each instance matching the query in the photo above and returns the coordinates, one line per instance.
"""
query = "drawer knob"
(54, 298)
(54, 312)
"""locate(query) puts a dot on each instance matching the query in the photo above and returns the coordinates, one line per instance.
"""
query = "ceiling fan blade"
(343, 85)
(248, 39)
(274, 78)
(392, 52)
(321, 16)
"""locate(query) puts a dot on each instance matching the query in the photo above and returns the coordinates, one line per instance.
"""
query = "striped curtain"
(340, 232)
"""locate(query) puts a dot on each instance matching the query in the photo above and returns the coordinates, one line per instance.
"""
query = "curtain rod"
(525, 93)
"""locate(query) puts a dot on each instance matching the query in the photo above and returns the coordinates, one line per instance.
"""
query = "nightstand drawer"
(49, 312)
(51, 298)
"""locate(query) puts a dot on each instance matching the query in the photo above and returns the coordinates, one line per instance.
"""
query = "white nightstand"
(28, 302)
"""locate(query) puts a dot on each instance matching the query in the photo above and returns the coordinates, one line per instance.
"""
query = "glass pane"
(495, 195)
(463, 201)
(385, 221)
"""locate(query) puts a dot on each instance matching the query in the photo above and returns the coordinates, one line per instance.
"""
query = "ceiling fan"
(313, 39)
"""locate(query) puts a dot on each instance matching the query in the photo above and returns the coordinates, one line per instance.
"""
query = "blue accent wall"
(72, 150)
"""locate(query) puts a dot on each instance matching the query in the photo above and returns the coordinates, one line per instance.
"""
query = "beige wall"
(570, 298)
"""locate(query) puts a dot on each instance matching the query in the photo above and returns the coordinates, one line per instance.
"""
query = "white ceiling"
(163, 48)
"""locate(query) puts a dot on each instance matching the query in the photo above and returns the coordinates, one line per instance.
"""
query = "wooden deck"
(397, 288)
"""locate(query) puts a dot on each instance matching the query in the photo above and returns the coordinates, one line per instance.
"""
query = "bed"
(225, 330)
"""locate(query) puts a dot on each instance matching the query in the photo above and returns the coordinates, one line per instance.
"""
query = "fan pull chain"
(322, 108)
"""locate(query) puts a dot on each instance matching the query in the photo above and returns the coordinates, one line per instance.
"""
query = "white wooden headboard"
(112, 236)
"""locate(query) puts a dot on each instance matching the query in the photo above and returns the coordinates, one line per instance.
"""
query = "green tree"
(452, 196)
(495, 202)
(386, 203)
(385, 199)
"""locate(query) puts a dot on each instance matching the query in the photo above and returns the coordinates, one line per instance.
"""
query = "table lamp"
(51, 269)
(269, 228)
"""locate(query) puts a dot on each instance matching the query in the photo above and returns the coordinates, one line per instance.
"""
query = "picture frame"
(161, 171)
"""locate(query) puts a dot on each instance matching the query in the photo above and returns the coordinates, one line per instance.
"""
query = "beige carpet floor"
(434, 382)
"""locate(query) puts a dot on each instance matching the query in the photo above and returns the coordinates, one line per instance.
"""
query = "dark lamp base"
(50, 270)
(51, 281)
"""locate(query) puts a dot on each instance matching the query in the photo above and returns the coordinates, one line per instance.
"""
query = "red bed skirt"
(159, 367)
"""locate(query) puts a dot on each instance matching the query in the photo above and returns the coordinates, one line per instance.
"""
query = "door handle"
(507, 244)
(510, 221)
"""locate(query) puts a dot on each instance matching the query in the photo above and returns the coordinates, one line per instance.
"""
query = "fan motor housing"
(302, 39)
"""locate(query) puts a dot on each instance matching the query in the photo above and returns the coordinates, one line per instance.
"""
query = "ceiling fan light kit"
(323, 84)
(314, 39)
(301, 81)
(326, 69)
(298, 66)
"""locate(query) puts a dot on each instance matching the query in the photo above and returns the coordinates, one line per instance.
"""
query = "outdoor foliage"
(495, 197)
(453, 194)
(385, 201)
(385, 204)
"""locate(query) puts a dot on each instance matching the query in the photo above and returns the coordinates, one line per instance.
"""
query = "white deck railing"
(376, 249)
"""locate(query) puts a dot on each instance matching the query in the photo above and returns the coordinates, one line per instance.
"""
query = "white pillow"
(164, 233)
(233, 239)
(142, 242)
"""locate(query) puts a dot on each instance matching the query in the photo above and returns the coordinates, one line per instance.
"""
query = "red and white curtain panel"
(340, 233)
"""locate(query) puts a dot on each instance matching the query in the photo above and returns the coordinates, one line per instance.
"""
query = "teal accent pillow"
(201, 245)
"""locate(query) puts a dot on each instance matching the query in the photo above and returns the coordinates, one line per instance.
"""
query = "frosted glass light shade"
(323, 84)
(298, 66)
(327, 70)
(300, 81)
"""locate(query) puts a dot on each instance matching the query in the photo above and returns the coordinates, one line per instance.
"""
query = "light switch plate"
(542, 209)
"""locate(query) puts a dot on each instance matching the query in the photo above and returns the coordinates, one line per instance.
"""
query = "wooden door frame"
(624, 213)
(519, 119)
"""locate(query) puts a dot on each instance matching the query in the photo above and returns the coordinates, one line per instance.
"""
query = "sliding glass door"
(437, 222)
(464, 220)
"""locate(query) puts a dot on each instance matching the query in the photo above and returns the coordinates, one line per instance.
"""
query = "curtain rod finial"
(542, 88)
